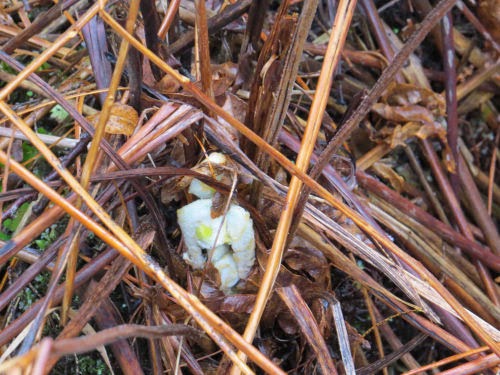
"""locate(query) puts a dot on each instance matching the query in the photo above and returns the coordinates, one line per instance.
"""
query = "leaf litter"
(385, 260)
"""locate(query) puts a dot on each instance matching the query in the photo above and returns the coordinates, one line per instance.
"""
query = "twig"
(384, 362)
(450, 94)
(46, 138)
(343, 17)
(38, 25)
(229, 14)
(292, 168)
(445, 361)
(491, 179)
(382, 83)
(385, 79)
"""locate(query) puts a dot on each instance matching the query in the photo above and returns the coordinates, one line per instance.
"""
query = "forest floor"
(247, 186)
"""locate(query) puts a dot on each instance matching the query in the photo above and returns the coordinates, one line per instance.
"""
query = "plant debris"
(249, 187)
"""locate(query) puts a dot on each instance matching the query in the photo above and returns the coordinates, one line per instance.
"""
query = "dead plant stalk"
(322, 192)
(345, 10)
(90, 161)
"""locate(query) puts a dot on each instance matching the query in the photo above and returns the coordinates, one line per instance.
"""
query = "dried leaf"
(489, 14)
(386, 172)
(407, 94)
(122, 120)
(308, 326)
(223, 76)
(403, 113)
(167, 85)
(310, 262)
(237, 108)
(399, 135)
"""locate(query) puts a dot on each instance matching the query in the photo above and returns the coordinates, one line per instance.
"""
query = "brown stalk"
(94, 36)
(48, 218)
(376, 91)
(136, 255)
(491, 175)
(28, 275)
(476, 366)
(377, 27)
(477, 24)
(35, 41)
(450, 93)
(255, 22)
(385, 79)
(485, 73)
(333, 178)
(436, 205)
(448, 192)
(154, 345)
(288, 141)
(470, 52)
(82, 344)
(394, 342)
(342, 235)
(108, 317)
(479, 211)
(5, 177)
(458, 215)
(71, 32)
(270, 126)
(192, 362)
(430, 255)
(386, 361)
(471, 247)
(409, 283)
(263, 87)
(480, 177)
(226, 16)
(82, 277)
(38, 322)
(446, 361)
(374, 321)
(95, 296)
(308, 325)
(151, 23)
(442, 7)
(38, 25)
(203, 49)
(342, 262)
(92, 155)
(423, 7)
(338, 34)
(172, 10)
(50, 349)
(85, 124)
(371, 157)
(137, 147)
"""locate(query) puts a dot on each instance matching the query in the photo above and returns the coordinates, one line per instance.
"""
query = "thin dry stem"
(322, 192)
(90, 162)
(345, 11)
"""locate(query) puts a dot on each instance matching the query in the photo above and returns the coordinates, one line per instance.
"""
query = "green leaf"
(58, 113)
(5, 236)
(41, 244)
(12, 224)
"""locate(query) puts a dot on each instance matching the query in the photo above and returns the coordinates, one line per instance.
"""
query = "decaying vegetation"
(361, 137)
